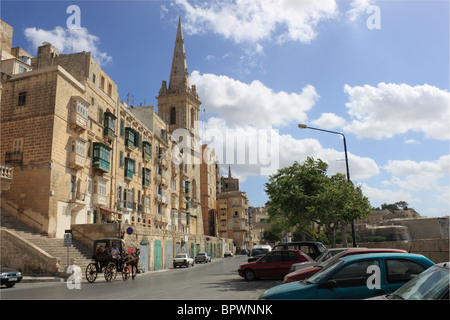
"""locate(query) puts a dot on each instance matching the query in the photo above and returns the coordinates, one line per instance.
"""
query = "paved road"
(218, 280)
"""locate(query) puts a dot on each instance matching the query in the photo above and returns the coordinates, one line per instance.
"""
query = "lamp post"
(304, 126)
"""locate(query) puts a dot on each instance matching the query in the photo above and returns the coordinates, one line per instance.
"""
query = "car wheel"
(249, 275)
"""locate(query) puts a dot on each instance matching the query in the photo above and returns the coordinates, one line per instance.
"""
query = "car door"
(399, 271)
(269, 265)
(289, 258)
(349, 282)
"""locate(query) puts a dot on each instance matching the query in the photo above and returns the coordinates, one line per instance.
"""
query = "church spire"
(179, 76)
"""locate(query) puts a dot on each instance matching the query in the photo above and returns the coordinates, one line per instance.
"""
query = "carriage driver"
(115, 252)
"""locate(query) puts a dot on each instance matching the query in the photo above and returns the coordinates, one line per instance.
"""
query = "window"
(173, 116)
(122, 126)
(146, 177)
(402, 270)
(100, 115)
(100, 187)
(93, 77)
(354, 274)
(110, 125)
(131, 138)
(78, 146)
(120, 159)
(129, 199)
(273, 257)
(147, 152)
(17, 145)
(22, 99)
(129, 168)
(101, 157)
(80, 108)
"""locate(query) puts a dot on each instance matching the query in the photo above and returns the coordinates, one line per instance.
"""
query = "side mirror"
(328, 285)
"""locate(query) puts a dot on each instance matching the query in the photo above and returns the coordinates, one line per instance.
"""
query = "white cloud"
(329, 121)
(255, 104)
(246, 147)
(391, 109)
(423, 175)
(68, 41)
(380, 196)
(255, 20)
(358, 7)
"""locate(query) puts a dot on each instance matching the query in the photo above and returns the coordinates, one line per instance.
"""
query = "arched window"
(173, 116)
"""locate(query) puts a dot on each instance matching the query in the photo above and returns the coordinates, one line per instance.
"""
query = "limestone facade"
(91, 158)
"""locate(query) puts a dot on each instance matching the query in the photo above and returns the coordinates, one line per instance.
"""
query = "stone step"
(53, 246)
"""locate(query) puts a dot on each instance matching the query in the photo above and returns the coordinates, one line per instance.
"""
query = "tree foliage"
(305, 198)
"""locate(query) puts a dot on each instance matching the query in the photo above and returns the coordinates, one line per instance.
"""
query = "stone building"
(259, 224)
(178, 107)
(234, 218)
(95, 159)
(230, 183)
(55, 133)
(210, 187)
(85, 161)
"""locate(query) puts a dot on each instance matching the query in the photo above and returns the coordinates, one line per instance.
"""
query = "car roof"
(445, 265)
(381, 255)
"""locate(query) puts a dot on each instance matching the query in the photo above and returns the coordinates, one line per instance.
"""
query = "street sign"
(129, 230)
(67, 239)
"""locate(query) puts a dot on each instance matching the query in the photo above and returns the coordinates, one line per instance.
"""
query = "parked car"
(311, 248)
(9, 277)
(327, 254)
(355, 277)
(272, 264)
(244, 252)
(228, 254)
(258, 251)
(307, 272)
(202, 257)
(432, 284)
(182, 259)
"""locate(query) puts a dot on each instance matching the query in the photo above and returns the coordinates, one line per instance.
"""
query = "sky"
(376, 72)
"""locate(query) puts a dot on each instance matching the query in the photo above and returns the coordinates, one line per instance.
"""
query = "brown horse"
(132, 261)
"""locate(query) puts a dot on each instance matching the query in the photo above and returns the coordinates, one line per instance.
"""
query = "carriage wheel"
(133, 271)
(91, 272)
(125, 273)
(110, 272)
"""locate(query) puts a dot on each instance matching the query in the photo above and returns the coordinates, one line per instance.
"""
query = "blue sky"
(377, 71)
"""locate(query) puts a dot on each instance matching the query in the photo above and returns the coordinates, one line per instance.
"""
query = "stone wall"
(25, 256)
(437, 250)
(87, 233)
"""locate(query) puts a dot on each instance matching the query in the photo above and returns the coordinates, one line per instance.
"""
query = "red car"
(272, 264)
(305, 273)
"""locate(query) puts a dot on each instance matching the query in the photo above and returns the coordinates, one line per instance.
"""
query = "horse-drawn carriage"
(110, 257)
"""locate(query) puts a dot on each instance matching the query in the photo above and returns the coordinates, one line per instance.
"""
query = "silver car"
(202, 257)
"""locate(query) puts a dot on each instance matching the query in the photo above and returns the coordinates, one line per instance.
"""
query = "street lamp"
(304, 126)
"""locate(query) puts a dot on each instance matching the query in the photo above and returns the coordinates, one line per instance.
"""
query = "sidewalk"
(100, 277)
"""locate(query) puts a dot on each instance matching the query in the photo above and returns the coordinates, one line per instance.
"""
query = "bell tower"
(178, 107)
(178, 104)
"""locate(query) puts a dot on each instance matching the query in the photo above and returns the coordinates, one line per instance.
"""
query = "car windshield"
(429, 285)
(180, 256)
(200, 254)
(324, 272)
(256, 252)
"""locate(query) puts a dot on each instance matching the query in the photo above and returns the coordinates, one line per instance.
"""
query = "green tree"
(305, 197)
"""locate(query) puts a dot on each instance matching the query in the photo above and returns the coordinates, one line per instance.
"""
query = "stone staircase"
(77, 253)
